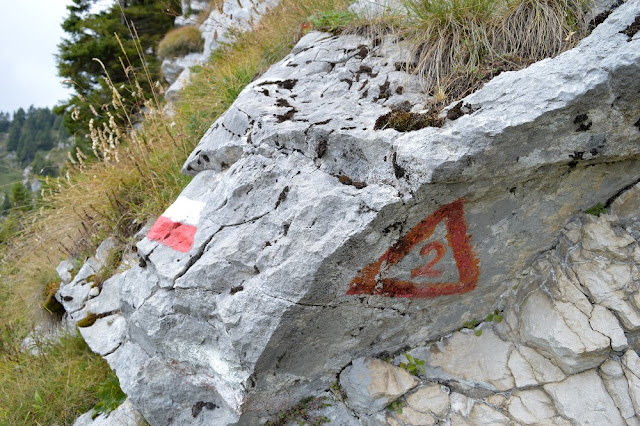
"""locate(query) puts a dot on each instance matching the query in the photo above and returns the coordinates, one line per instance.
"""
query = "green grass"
(54, 387)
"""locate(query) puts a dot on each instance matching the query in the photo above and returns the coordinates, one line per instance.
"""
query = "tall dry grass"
(453, 42)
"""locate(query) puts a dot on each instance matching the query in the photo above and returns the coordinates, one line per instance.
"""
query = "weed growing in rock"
(109, 395)
(396, 406)
(413, 365)
(596, 210)
(300, 413)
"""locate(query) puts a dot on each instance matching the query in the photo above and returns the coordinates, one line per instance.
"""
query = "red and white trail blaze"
(176, 228)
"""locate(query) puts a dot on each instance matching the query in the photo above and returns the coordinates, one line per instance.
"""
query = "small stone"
(461, 403)
(412, 417)
(531, 407)
(584, 399)
(497, 400)
(543, 369)
(430, 399)
(94, 292)
(482, 414)
(372, 384)
(603, 321)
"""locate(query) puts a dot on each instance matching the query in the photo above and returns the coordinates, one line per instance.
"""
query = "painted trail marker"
(176, 228)
(430, 279)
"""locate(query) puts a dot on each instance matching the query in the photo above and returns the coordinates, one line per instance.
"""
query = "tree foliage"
(91, 45)
(37, 129)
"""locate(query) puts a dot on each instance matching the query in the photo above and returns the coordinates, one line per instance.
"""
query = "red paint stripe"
(178, 236)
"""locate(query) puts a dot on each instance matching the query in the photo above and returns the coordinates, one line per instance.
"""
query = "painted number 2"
(426, 270)
(375, 278)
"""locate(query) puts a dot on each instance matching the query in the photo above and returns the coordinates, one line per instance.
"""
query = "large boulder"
(310, 236)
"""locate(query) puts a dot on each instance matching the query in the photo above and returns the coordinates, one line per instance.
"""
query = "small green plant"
(396, 406)
(109, 395)
(596, 210)
(301, 415)
(180, 41)
(413, 365)
(333, 21)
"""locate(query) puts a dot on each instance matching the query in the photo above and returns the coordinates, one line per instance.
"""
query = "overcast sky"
(29, 34)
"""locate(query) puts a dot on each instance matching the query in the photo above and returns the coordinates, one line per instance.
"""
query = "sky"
(29, 34)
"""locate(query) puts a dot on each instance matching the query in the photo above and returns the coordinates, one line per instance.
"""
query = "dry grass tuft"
(454, 44)
(181, 41)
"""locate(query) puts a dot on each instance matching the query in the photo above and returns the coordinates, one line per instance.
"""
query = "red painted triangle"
(457, 239)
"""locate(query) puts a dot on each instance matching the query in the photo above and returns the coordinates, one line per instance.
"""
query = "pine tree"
(92, 36)
(20, 197)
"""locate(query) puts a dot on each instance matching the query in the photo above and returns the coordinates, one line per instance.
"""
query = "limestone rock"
(124, 415)
(457, 358)
(607, 284)
(430, 399)
(603, 321)
(372, 384)
(563, 332)
(531, 407)
(482, 414)
(105, 335)
(592, 407)
(617, 386)
(309, 224)
(627, 205)
(64, 269)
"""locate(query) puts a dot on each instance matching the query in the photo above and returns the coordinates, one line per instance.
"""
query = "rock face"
(310, 236)
(232, 16)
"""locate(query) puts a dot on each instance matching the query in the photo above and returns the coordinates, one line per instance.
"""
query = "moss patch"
(403, 121)
(50, 303)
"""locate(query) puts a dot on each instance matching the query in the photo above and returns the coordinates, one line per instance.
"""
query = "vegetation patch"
(49, 301)
(404, 121)
(109, 395)
(53, 387)
(300, 413)
(181, 41)
(596, 210)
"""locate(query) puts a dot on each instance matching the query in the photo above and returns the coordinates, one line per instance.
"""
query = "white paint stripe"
(185, 210)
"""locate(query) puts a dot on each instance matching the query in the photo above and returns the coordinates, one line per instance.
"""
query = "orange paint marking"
(370, 282)
(426, 271)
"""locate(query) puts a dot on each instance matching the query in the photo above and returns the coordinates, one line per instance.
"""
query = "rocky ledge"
(316, 233)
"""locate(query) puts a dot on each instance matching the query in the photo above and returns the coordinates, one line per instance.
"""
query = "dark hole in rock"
(198, 406)
(346, 180)
(632, 29)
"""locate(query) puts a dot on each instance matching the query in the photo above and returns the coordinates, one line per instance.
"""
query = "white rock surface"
(592, 407)
(308, 219)
(106, 334)
(531, 407)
